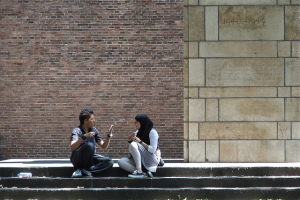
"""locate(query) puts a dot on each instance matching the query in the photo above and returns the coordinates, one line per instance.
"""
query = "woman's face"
(137, 125)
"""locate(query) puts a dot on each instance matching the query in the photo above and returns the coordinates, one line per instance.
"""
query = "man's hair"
(85, 115)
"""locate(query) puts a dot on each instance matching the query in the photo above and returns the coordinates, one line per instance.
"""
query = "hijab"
(146, 126)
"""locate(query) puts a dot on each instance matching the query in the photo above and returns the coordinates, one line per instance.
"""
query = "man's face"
(90, 122)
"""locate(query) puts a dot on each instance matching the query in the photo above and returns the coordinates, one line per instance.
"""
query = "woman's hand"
(136, 139)
(131, 136)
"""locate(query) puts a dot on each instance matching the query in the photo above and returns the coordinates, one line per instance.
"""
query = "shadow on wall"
(2, 147)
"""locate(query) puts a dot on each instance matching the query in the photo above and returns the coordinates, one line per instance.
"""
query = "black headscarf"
(146, 126)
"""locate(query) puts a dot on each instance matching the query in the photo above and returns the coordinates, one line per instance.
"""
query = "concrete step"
(151, 193)
(166, 182)
(175, 180)
(172, 168)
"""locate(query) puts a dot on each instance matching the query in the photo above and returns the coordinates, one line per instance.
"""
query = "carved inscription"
(244, 22)
(251, 23)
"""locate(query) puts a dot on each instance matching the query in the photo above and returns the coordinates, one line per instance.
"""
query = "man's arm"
(75, 144)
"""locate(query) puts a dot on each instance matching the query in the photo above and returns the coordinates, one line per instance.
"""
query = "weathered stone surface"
(196, 110)
(193, 92)
(284, 92)
(292, 107)
(196, 72)
(196, 23)
(193, 131)
(212, 151)
(211, 112)
(284, 49)
(284, 130)
(251, 23)
(292, 25)
(252, 151)
(238, 49)
(193, 49)
(295, 130)
(245, 72)
(251, 109)
(211, 23)
(295, 91)
(292, 150)
(238, 130)
(196, 151)
(223, 92)
(237, 2)
(296, 49)
(292, 71)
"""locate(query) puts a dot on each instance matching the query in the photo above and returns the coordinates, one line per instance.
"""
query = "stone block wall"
(241, 81)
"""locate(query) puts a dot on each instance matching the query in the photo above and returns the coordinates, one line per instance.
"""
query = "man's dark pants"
(85, 158)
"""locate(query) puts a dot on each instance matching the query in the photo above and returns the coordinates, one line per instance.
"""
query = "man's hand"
(111, 128)
(89, 134)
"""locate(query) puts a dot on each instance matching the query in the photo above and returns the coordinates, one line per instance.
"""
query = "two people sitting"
(143, 148)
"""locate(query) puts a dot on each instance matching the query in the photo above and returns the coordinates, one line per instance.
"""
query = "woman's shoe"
(77, 174)
(149, 174)
(135, 174)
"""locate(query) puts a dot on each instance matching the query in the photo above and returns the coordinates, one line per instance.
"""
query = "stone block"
(186, 151)
(284, 92)
(196, 110)
(186, 93)
(185, 130)
(292, 25)
(186, 109)
(212, 151)
(212, 110)
(292, 109)
(193, 49)
(295, 91)
(223, 92)
(284, 130)
(238, 130)
(238, 49)
(185, 49)
(295, 130)
(193, 92)
(284, 2)
(185, 72)
(185, 24)
(237, 2)
(252, 151)
(196, 23)
(292, 150)
(296, 49)
(193, 131)
(292, 71)
(211, 23)
(196, 72)
(284, 49)
(196, 151)
(251, 109)
(251, 23)
(295, 2)
(245, 72)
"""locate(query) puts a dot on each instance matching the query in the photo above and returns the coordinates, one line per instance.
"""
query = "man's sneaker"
(77, 174)
(135, 174)
(86, 173)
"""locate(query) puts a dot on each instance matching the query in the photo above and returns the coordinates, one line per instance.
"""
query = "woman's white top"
(153, 135)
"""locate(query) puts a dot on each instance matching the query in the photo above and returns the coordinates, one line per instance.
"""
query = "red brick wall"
(119, 58)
